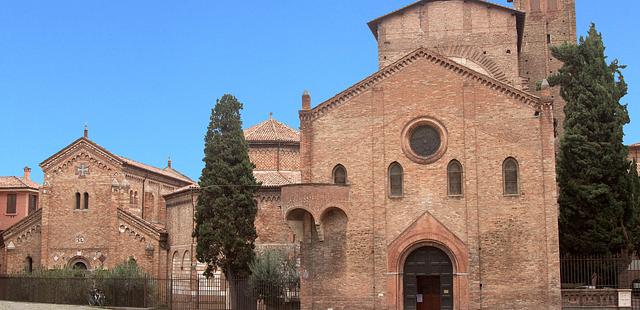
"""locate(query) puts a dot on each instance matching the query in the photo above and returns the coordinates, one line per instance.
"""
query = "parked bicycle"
(96, 296)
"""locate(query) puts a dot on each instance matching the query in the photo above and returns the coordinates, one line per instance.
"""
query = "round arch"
(428, 231)
(427, 277)
(303, 224)
(79, 263)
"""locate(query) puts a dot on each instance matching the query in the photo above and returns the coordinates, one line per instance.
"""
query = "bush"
(124, 285)
(273, 275)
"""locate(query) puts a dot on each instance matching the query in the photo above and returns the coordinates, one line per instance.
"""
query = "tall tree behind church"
(226, 211)
(598, 207)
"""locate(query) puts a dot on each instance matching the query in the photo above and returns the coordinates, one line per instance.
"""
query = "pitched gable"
(436, 59)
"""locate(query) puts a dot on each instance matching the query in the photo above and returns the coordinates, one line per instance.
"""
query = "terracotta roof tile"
(277, 178)
(17, 182)
(271, 131)
(170, 172)
(195, 187)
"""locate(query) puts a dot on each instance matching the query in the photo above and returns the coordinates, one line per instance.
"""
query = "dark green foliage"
(125, 285)
(273, 276)
(598, 184)
(226, 211)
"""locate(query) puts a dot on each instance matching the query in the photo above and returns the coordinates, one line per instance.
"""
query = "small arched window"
(77, 201)
(135, 197)
(454, 176)
(131, 197)
(395, 180)
(510, 176)
(86, 200)
(340, 175)
(28, 264)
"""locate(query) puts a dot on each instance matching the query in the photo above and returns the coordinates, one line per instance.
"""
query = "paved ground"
(9, 305)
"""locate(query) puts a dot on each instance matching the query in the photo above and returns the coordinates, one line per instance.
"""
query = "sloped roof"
(436, 59)
(194, 187)
(271, 130)
(12, 182)
(277, 178)
(168, 172)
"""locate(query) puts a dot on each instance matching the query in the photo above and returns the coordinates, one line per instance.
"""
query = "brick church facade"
(429, 184)
(98, 209)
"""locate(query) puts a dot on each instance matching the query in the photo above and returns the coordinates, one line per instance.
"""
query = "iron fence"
(176, 293)
(594, 280)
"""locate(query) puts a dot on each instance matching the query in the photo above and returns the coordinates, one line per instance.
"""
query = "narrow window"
(340, 175)
(548, 39)
(454, 173)
(135, 198)
(11, 204)
(33, 203)
(395, 180)
(28, 264)
(77, 201)
(86, 200)
(510, 175)
(131, 197)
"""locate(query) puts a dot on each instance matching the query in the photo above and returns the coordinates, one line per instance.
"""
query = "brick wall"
(275, 157)
(507, 238)
(484, 34)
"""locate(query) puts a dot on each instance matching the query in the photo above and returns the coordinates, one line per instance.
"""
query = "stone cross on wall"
(82, 170)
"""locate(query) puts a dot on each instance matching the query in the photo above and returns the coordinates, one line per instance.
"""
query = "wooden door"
(428, 293)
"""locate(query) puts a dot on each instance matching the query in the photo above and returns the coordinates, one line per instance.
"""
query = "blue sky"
(144, 74)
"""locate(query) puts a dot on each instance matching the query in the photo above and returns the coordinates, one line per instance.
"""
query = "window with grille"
(454, 176)
(510, 175)
(395, 180)
(340, 175)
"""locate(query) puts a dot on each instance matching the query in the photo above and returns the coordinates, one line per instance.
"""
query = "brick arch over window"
(477, 57)
(175, 265)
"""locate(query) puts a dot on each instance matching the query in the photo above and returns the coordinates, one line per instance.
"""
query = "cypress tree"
(598, 184)
(226, 211)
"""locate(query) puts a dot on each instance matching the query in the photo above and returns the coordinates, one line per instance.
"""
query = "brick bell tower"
(547, 23)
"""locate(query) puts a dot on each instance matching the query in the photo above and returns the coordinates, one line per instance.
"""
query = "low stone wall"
(596, 299)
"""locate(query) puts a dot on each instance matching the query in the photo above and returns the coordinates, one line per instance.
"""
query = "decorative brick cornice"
(82, 143)
(419, 54)
(31, 222)
(129, 219)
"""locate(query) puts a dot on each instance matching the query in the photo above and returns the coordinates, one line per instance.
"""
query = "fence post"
(170, 292)
(145, 292)
(197, 292)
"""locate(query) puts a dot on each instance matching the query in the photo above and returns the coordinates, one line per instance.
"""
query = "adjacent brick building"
(98, 210)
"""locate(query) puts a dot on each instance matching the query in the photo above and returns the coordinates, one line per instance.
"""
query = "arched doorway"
(428, 280)
(79, 263)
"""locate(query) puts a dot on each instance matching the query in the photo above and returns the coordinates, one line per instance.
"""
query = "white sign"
(624, 298)
(419, 298)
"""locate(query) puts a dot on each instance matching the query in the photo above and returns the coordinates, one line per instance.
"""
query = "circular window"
(424, 140)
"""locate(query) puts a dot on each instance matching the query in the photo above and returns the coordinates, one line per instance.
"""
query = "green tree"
(226, 211)
(598, 210)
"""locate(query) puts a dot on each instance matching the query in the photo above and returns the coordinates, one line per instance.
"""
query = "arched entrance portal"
(428, 280)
